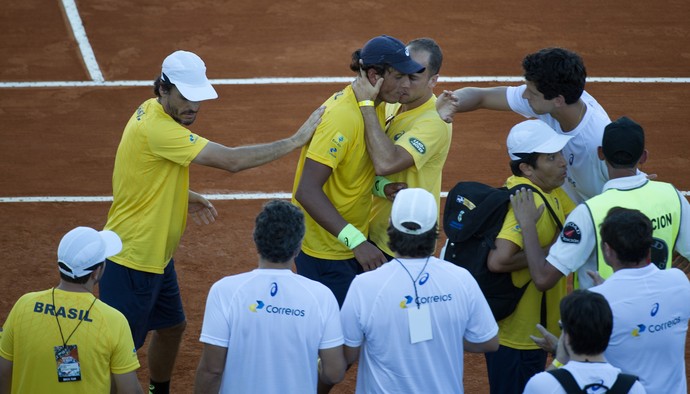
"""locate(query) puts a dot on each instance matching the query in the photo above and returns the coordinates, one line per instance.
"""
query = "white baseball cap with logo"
(416, 206)
(534, 136)
(83, 247)
(187, 71)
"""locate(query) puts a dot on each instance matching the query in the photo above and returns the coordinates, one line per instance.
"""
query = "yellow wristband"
(351, 237)
(557, 363)
(366, 103)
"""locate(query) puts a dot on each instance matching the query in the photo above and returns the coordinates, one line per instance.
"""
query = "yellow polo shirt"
(425, 136)
(150, 187)
(30, 334)
(339, 144)
(514, 330)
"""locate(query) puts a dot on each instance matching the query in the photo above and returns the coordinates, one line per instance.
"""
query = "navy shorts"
(509, 369)
(148, 301)
(334, 274)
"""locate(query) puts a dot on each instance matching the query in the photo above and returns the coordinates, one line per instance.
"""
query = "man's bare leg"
(162, 353)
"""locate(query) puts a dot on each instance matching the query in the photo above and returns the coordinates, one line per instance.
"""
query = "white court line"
(221, 197)
(80, 35)
(315, 80)
(98, 81)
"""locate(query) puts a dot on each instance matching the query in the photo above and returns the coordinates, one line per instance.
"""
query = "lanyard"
(414, 281)
(64, 342)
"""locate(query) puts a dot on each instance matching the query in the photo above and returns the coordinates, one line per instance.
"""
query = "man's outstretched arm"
(469, 99)
(243, 157)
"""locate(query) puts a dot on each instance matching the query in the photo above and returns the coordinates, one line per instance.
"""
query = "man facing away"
(650, 305)
(554, 93)
(151, 200)
(413, 145)
(586, 321)
(410, 321)
(265, 331)
(334, 177)
(64, 340)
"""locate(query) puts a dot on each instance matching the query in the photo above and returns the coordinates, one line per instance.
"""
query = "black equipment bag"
(472, 218)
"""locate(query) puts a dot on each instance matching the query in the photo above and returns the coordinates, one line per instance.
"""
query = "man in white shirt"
(267, 330)
(587, 322)
(650, 306)
(554, 93)
(418, 313)
(578, 248)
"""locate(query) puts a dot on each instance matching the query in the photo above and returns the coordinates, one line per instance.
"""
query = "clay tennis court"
(66, 94)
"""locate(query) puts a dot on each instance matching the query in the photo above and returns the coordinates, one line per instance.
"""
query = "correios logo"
(425, 300)
(655, 328)
(253, 307)
(276, 310)
(406, 301)
(638, 330)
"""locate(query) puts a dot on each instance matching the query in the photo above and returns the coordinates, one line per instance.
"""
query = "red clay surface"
(62, 141)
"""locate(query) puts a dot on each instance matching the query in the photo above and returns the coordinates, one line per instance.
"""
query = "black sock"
(159, 387)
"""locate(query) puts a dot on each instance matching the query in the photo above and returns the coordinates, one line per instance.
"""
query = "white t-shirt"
(273, 323)
(375, 317)
(650, 321)
(586, 173)
(584, 374)
(581, 256)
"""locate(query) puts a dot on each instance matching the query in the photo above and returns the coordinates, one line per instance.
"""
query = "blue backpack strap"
(567, 381)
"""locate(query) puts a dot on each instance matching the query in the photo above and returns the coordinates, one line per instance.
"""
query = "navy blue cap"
(388, 50)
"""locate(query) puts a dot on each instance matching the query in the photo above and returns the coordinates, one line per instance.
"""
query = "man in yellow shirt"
(151, 200)
(64, 340)
(334, 176)
(536, 160)
(413, 145)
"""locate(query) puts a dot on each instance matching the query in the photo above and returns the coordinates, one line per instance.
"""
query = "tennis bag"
(472, 218)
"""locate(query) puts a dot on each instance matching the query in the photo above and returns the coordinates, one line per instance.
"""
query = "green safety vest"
(659, 201)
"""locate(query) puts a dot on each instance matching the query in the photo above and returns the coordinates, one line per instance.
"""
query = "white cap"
(534, 136)
(188, 72)
(416, 206)
(84, 247)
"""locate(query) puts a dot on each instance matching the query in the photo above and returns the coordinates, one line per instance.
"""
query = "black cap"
(623, 142)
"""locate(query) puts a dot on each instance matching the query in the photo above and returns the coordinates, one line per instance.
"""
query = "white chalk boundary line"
(221, 197)
(97, 80)
(80, 36)
(310, 80)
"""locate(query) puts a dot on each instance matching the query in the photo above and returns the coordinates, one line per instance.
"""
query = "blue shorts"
(334, 274)
(148, 301)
